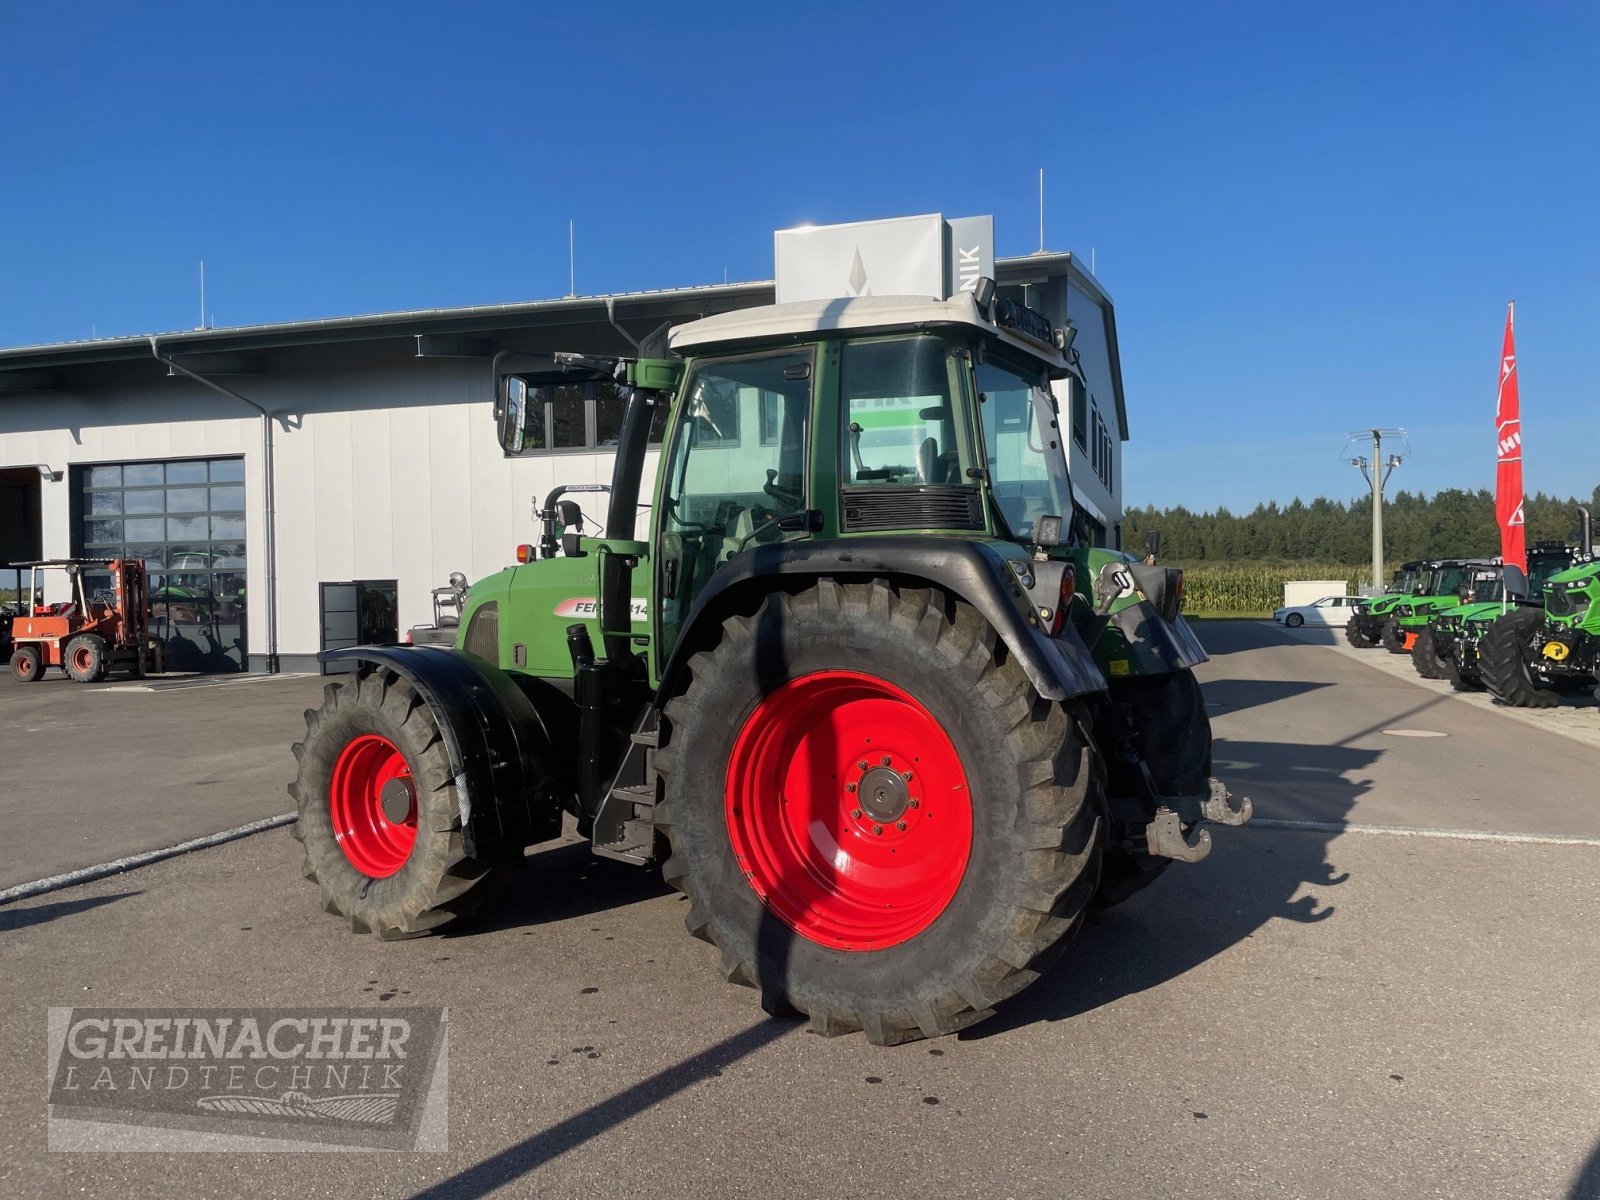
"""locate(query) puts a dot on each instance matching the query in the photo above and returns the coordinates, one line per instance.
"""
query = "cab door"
(736, 476)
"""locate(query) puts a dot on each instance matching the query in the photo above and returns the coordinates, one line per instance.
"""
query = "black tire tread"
(1353, 635)
(1425, 656)
(1502, 655)
(1392, 637)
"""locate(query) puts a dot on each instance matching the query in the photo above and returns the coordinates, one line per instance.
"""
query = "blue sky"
(1311, 215)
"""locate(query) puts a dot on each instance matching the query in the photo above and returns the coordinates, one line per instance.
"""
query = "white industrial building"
(303, 485)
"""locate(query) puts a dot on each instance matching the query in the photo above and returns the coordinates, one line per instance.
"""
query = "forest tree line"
(1452, 522)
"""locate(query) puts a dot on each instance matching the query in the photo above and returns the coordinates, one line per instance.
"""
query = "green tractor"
(1394, 620)
(1362, 631)
(1533, 655)
(1449, 647)
(857, 688)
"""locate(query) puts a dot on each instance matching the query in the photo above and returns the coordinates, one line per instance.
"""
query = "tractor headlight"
(1402, 610)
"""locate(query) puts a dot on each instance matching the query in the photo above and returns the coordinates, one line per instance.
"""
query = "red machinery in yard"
(88, 636)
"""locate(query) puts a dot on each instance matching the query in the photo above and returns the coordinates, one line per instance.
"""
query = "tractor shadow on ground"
(563, 880)
(1221, 637)
(1194, 913)
(1587, 1184)
(1236, 695)
(13, 917)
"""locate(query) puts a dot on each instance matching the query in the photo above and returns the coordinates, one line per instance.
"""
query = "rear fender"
(1059, 667)
(1150, 644)
(498, 745)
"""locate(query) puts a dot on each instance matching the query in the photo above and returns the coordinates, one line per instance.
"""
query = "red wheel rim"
(82, 659)
(848, 810)
(374, 844)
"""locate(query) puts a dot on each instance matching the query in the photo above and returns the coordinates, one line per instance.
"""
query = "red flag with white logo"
(1508, 438)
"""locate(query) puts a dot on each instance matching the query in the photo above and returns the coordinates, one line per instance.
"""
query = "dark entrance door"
(364, 612)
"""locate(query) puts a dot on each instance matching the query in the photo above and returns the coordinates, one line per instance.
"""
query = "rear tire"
(890, 947)
(1503, 655)
(27, 664)
(1174, 740)
(1353, 635)
(373, 746)
(1425, 657)
(84, 658)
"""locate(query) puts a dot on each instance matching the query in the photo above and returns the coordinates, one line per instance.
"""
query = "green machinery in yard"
(1448, 646)
(1532, 655)
(857, 687)
(1361, 630)
(1435, 585)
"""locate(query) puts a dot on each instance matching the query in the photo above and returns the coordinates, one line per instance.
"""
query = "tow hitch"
(1165, 835)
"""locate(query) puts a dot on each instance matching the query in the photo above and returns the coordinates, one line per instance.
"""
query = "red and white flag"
(1508, 441)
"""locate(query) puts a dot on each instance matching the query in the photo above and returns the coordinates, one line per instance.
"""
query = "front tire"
(1294, 620)
(84, 657)
(378, 812)
(1393, 637)
(1354, 635)
(1425, 657)
(1503, 655)
(906, 907)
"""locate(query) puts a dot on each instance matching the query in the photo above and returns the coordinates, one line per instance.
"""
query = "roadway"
(1312, 1011)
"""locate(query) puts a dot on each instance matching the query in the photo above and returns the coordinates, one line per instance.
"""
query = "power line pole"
(1376, 472)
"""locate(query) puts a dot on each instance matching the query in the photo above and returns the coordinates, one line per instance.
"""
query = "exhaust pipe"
(1585, 531)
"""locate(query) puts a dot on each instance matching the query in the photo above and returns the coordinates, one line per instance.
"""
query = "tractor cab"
(89, 634)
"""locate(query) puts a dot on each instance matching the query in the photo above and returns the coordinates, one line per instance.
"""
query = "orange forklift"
(88, 636)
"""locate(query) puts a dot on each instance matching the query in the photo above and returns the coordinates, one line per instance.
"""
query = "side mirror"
(569, 514)
(1152, 543)
(513, 415)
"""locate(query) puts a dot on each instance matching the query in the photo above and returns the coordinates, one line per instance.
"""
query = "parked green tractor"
(1532, 656)
(1436, 585)
(1436, 635)
(888, 724)
(1361, 631)
(1449, 648)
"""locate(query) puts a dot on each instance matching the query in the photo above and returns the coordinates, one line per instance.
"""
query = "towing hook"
(1165, 839)
(1217, 807)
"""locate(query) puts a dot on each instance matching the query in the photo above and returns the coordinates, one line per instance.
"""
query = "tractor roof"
(804, 320)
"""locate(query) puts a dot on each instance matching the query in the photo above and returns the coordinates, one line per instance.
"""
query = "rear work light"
(524, 553)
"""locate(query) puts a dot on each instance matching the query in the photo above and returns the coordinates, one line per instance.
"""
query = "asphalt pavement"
(1311, 1011)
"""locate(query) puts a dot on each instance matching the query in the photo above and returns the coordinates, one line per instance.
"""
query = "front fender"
(1059, 667)
(497, 744)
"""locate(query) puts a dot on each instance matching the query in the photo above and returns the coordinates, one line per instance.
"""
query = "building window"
(574, 417)
(1080, 412)
(185, 519)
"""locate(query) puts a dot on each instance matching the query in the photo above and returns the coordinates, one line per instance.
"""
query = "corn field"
(1252, 588)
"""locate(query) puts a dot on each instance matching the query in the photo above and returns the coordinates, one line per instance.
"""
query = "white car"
(1330, 610)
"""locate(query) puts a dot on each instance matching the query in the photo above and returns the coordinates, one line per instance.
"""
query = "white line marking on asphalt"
(23, 891)
(1459, 835)
(187, 685)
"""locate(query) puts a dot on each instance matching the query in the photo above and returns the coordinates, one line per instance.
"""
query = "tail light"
(524, 553)
(408, 638)
(1069, 588)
